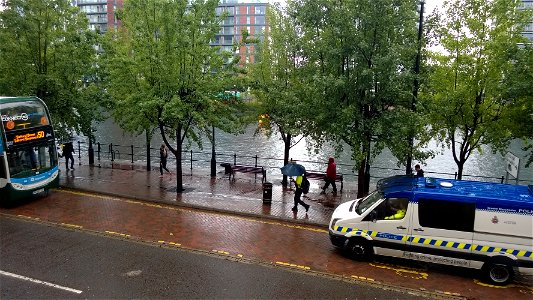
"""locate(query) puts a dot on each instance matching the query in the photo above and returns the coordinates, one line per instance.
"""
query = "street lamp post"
(213, 154)
(408, 169)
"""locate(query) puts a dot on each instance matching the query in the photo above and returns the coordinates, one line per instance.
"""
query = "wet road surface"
(282, 244)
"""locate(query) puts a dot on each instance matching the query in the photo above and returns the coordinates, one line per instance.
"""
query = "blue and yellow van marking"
(434, 242)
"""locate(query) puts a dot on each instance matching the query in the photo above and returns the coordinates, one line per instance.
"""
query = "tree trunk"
(148, 158)
(179, 171)
(286, 149)
(361, 179)
(460, 167)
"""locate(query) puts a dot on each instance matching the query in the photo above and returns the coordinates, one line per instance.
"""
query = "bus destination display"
(29, 135)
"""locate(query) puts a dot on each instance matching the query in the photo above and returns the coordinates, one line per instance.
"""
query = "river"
(486, 166)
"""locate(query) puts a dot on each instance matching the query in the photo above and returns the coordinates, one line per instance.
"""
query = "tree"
(359, 57)
(276, 82)
(468, 86)
(519, 93)
(162, 71)
(47, 50)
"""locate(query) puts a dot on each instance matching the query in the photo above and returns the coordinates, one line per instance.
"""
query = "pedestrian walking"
(331, 176)
(419, 171)
(68, 151)
(163, 154)
(298, 193)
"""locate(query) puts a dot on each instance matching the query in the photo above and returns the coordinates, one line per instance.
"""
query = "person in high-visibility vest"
(298, 194)
(400, 212)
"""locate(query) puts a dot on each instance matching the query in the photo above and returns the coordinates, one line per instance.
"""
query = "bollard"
(79, 153)
(91, 152)
(99, 149)
(191, 160)
(131, 153)
(234, 158)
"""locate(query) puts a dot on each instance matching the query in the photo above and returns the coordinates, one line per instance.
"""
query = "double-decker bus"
(28, 151)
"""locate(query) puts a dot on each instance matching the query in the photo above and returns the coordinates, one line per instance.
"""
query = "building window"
(449, 215)
(260, 10)
(259, 20)
(248, 20)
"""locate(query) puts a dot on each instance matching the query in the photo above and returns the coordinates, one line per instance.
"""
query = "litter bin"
(267, 192)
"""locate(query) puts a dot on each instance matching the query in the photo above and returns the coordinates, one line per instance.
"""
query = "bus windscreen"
(23, 115)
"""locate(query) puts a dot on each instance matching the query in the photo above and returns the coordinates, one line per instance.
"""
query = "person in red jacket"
(331, 175)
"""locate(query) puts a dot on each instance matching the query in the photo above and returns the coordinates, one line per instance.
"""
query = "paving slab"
(242, 196)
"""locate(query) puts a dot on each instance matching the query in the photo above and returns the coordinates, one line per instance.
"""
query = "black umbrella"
(293, 170)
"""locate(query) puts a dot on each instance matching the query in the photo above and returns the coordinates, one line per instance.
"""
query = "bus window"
(31, 160)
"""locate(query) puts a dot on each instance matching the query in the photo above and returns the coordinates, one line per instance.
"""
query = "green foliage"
(468, 93)
(518, 116)
(275, 79)
(161, 71)
(47, 50)
(358, 58)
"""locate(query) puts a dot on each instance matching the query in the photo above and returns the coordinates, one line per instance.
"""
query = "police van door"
(389, 226)
(442, 231)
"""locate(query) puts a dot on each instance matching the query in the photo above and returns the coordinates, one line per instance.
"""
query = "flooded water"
(487, 166)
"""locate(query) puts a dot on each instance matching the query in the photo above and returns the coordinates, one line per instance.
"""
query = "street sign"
(511, 164)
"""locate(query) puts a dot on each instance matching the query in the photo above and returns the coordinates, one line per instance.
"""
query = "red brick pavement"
(243, 196)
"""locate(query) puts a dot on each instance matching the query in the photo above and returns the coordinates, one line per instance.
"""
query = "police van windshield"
(367, 202)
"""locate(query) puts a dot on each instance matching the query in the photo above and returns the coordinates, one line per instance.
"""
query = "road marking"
(169, 207)
(117, 233)
(293, 265)
(362, 278)
(71, 225)
(402, 271)
(40, 282)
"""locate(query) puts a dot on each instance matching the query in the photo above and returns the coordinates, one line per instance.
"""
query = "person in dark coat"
(419, 171)
(331, 175)
(68, 151)
(163, 154)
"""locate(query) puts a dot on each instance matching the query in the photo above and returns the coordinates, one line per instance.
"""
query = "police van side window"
(449, 215)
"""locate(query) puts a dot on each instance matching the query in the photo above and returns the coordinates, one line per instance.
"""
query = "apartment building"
(241, 14)
(528, 31)
(101, 13)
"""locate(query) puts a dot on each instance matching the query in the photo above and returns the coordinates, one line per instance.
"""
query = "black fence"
(141, 158)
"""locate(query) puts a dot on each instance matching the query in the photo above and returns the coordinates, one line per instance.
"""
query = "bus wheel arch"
(359, 248)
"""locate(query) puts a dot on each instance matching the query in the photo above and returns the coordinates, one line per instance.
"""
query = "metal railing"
(136, 155)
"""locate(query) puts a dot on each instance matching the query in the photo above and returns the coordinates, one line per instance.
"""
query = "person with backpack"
(301, 182)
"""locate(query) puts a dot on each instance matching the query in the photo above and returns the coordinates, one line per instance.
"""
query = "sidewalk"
(244, 196)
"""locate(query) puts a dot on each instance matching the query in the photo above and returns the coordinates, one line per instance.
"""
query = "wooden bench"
(321, 175)
(248, 169)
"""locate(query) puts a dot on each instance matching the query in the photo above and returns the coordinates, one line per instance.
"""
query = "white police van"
(480, 225)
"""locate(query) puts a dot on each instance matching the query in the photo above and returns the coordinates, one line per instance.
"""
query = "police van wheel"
(498, 274)
(359, 249)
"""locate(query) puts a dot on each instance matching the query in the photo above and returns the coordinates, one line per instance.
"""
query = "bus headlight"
(17, 186)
